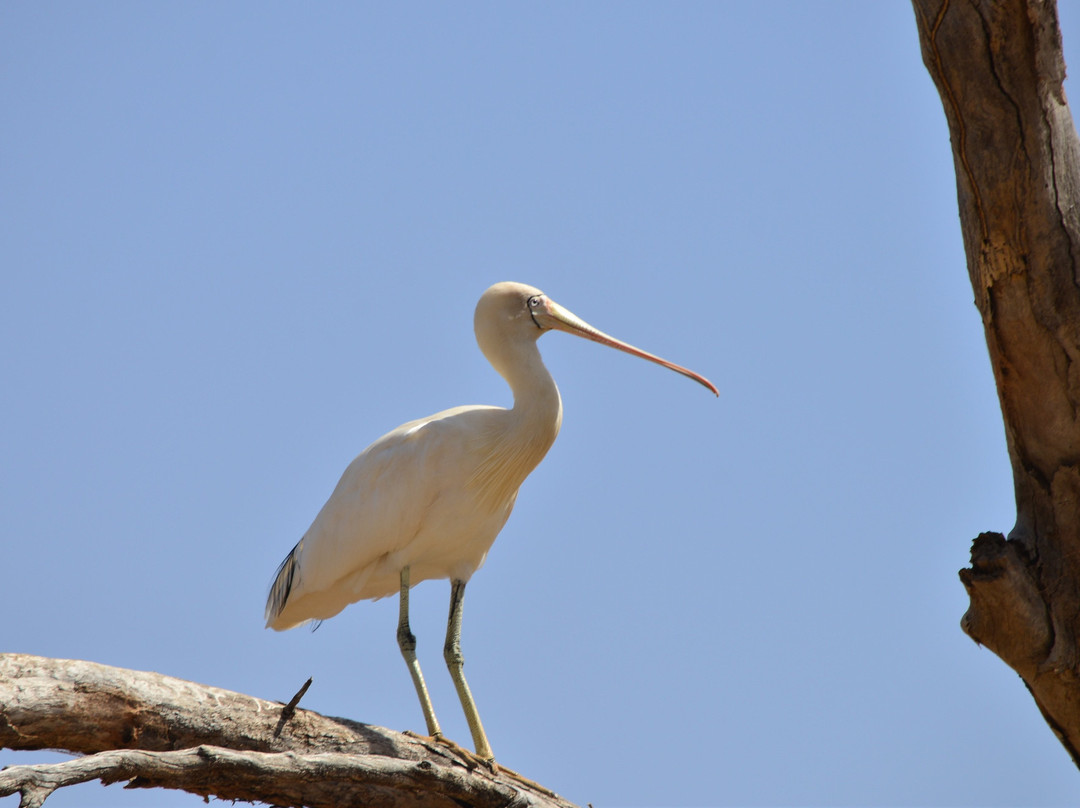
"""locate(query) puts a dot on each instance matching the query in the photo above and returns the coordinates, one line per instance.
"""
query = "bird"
(427, 500)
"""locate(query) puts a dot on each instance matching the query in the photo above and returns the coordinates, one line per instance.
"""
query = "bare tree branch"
(157, 731)
(325, 780)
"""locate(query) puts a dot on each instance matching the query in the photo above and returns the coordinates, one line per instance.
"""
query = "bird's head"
(505, 312)
(510, 314)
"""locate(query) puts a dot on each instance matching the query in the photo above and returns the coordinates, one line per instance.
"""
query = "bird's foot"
(471, 759)
(525, 781)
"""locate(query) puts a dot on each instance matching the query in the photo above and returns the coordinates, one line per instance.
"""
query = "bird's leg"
(407, 643)
(455, 662)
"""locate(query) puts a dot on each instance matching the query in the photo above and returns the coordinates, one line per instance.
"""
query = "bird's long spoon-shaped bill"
(549, 314)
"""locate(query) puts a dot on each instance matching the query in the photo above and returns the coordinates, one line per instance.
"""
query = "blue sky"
(238, 242)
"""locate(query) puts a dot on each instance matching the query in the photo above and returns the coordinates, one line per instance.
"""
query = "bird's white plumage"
(386, 513)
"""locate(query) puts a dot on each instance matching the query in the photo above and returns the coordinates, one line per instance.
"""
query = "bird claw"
(471, 759)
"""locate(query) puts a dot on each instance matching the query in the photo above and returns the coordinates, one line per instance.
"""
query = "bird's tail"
(287, 575)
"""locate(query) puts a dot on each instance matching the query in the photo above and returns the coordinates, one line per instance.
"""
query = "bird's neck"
(521, 435)
(537, 411)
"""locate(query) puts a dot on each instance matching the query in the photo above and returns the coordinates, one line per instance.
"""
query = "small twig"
(290, 709)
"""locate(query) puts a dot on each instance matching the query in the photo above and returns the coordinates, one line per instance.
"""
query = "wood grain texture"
(999, 68)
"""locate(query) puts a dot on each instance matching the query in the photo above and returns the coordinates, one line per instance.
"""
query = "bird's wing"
(376, 509)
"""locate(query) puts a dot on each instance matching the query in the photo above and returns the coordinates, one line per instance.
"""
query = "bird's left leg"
(455, 662)
(407, 644)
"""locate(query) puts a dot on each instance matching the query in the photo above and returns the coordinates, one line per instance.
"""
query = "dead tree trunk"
(155, 731)
(998, 67)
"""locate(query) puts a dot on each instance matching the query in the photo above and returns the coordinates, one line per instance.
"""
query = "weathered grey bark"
(156, 731)
(998, 67)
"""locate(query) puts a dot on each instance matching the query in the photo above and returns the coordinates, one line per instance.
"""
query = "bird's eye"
(534, 301)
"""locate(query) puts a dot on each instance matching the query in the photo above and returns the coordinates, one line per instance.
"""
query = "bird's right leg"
(455, 662)
(407, 643)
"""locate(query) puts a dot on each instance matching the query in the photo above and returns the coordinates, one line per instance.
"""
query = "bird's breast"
(502, 462)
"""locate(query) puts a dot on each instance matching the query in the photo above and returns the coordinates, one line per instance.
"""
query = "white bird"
(427, 500)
